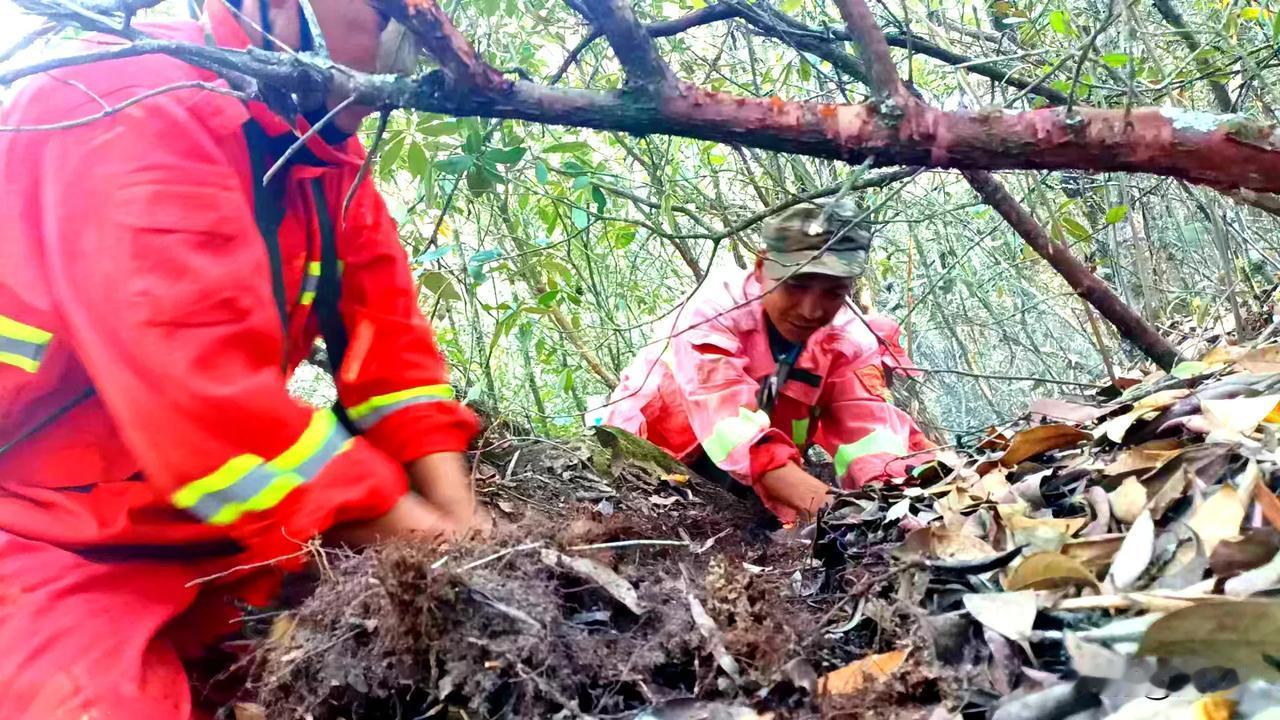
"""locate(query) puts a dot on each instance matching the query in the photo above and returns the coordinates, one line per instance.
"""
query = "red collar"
(226, 32)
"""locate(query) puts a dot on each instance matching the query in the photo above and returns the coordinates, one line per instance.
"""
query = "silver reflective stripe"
(333, 445)
(241, 491)
(365, 422)
(29, 350)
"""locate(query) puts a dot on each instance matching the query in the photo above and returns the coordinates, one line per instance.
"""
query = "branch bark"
(1224, 152)
(634, 47)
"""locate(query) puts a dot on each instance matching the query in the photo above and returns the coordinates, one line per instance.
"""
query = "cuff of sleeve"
(420, 430)
(361, 483)
(771, 453)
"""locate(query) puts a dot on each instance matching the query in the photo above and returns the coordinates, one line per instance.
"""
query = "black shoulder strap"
(268, 212)
(328, 292)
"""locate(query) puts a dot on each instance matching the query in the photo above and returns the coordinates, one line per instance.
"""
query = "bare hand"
(444, 481)
(792, 487)
(409, 516)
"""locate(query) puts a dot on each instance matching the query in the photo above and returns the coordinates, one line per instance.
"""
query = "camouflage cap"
(794, 241)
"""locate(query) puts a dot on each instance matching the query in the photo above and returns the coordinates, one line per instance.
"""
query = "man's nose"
(809, 306)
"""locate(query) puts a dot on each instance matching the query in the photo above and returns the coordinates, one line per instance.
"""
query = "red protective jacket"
(694, 391)
(131, 265)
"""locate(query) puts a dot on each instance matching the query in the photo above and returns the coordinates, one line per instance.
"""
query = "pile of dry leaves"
(1108, 557)
(1111, 559)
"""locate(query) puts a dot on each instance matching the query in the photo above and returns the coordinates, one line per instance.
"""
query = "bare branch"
(1129, 323)
(1221, 97)
(633, 46)
(112, 110)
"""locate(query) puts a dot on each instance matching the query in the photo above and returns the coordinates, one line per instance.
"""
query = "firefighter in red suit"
(154, 297)
(758, 365)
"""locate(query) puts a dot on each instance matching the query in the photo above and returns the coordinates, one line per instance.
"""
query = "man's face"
(805, 303)
(352, 29)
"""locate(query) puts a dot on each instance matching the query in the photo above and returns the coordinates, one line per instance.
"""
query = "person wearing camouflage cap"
(761, 364)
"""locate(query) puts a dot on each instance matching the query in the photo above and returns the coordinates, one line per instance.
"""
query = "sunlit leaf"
(579, 218)
(456, 164)
(567, 147)
(1116, 59)
(1116, 214)
(1060, 21)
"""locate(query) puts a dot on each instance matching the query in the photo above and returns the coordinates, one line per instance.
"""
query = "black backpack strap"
(328, 293)
(268, 212)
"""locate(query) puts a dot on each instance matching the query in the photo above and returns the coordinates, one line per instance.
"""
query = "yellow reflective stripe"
(878, 441)
(800, 432)
(248, 483)
(313, 268)
(368, 413)
(318, 430)
(21, 331)
(307, 297)
(21, 345)
(19, 361)
(733, 432)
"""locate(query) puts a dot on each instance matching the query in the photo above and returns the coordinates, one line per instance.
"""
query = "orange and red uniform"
(147, 435)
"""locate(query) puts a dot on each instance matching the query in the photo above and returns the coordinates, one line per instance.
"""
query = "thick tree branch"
(874, 51)
(633, 46)
(1131, 325)
(455, 54)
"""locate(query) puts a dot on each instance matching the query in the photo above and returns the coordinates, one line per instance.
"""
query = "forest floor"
(1112, 556)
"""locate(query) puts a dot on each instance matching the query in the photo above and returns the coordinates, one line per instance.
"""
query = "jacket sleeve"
(870, 439)
(394, 381)
(160, 274)
(709, 368)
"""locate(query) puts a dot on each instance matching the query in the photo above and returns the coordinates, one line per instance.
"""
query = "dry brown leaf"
(1237, 416)
(1047, 534)
(1128, 500)
(1269, 504)
(941, 544)
(1009, 613)
(1134, 554)
(1148, 455)
(1218, 518)
(1236, 635)
(852, 677)
(1059, 410)
(605, 577)
(1049, 571)
(1116, 427)
(1094, 553)
(1041, 439)
(1224, 354)
(1261, 360)
(1264, 577)
(1252, 549)
(1095, 660)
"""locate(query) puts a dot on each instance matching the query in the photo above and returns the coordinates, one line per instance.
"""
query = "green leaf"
(806, 70)
(581, 182)
(415, 159)
(456, 164)
(1116, 59)
(548, 298)
(439, 129)
(1075, 229)
(507, 156)
(1188, 370)
(567, 147)
(791, 7)
(579, 217)
(1250, 13)
(441, 285)
(1060, 21)
(540, 170)
(435, 253)
(1116, 214)
(598, 196)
